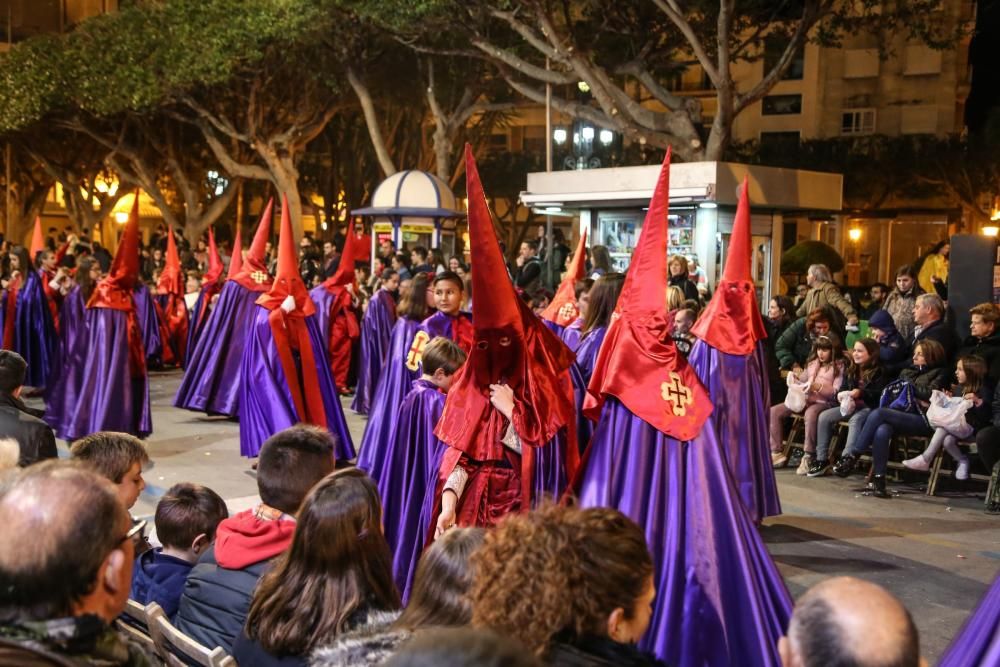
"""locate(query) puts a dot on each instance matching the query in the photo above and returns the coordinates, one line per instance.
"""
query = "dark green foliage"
(800, 256)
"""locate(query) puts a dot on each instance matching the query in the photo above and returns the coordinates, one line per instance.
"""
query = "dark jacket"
(216, 598)
(793, 345)
(925, 380)
(687, 286)
(528, 276)
(943, 333)
(24, 424)
(871, 392)
(68, 642)
(159, 578)
(977, 417)
(598, 652)
(988, 349)
(894, 353)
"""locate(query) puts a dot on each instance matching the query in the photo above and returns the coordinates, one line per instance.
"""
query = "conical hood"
(236, 259)
(512, 346)
(215, 266)
(344, 274)
(253, 273)
(37, 240)
(171, 278)
(638, 362)
(732, 322)
(287, 281)
(563, 310)
(125, 267)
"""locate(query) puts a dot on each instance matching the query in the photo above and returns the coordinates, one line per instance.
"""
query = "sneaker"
(778, 459)
(962, 471)
(845, 466)
(918, 462)
(804, 464)
(819, 468)
(876, 487)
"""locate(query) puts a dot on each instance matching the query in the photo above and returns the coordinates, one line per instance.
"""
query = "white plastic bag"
(795, 400)
(949, 413)
(847, 404)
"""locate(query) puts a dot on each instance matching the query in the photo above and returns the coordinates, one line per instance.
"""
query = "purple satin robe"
(720, 599)
(396, 381)
(977, 644)
(96, 391)
(35, 336)
(408, 480)
(376, 331)
(211, 381)
(72, 325)
(572, 334)
(266, 404)
(739, 389)
(149, 325)
(195, 328)
(580, 372)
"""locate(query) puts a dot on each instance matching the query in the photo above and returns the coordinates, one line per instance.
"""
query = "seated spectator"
(462, 647)
(823, 293)
(683, 338)
(864, 379)
(439, 599)
(988, 446)
(973, 385)
(927, 373)
(900, 302)
(186, 519)
(928, 313)
(333, 579)
(878, 293)
(119, 457)
(984, 339)
(521, 588)
(780, 315)
(216, 597)
(18, 422)
(893, 352)
(847, 621)
(67, 580)
(795, 344)
(823, 376)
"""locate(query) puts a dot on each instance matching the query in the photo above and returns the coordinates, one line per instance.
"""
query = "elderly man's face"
(923, 313)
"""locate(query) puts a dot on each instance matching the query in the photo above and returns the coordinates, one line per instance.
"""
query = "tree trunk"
(286, 178)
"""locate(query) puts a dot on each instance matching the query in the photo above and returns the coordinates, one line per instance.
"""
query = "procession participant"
(562, 311)
(211, 381)
(730, 360)
(104, 386)
(170, 306)
(335, 313)
(285, 376)
(654, 456)
(509, 402)
(376, 332)
(211, 285)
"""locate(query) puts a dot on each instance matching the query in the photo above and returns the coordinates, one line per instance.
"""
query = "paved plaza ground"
(937, 554)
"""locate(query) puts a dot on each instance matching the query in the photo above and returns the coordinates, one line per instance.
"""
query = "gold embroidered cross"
(416, 352)
(677, 394)
(567, 311)
(258, 277)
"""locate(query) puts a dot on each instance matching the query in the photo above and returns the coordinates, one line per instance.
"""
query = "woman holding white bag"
(859, 393)
(956, 420)
(823, 375)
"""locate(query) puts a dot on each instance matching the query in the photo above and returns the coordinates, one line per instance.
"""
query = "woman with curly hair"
(574, 585)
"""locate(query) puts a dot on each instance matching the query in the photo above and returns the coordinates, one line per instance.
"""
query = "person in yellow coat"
(935, 267)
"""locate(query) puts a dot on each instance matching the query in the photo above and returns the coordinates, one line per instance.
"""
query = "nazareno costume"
(105, 386)
(730, 359)
(171, 310)
(285, 374)
(376, 333)
(338, 321)
(211, 285)
(211, 381)
(655, 456)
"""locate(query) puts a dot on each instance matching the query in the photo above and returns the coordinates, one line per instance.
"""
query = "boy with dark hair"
(412, 460)
(418, 256)
(119, 457)
(216, 597)
(186, 519)
(17, 421)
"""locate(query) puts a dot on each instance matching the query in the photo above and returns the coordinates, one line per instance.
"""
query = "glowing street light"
(854, 234)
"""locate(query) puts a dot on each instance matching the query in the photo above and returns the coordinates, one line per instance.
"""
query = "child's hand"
(976, 401)
(502, 398)
(855, 393)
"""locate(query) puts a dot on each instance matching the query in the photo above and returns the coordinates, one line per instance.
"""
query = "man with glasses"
(66, 576)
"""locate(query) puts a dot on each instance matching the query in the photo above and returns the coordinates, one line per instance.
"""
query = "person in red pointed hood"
(510, 400)
(336, 312)
(285, 372)
(211, 285)
(104, 386)
(171, 310)
(731, 361)
(566, 312)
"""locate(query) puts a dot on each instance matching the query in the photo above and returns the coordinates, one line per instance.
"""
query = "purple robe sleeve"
(35, 336)
(376, 332)
(977, 644)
